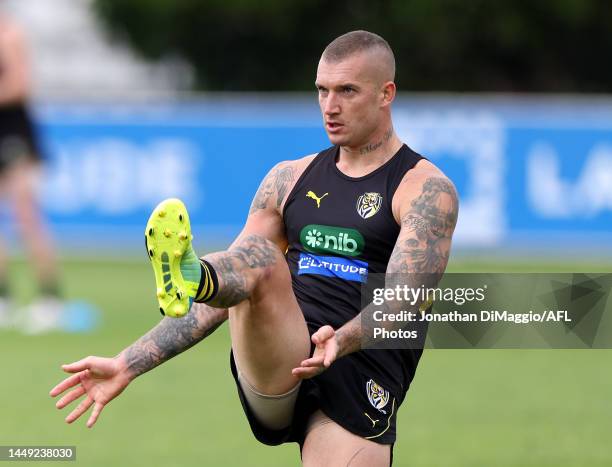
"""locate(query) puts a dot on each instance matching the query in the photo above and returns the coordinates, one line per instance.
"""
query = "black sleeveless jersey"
(340, 231)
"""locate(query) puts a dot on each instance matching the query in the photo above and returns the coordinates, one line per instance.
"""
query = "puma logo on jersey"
(312, 195)
(374, 422)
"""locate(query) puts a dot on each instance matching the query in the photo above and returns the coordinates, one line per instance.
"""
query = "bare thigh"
(269, 333)
(327, 444)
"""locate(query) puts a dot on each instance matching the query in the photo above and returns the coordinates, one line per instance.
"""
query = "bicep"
(427, 224)
(274, 188)
(266, 224)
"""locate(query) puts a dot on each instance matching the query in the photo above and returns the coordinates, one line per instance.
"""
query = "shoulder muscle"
(278, 183)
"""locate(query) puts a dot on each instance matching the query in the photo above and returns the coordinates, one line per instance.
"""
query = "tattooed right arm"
(249, 252)
(171, 337)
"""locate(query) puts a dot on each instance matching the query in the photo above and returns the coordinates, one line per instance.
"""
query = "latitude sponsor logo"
(333, 266)
(329, 239)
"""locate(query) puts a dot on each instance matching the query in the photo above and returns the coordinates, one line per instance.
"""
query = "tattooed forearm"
(358, 333)
(368, 148)
(349, 336)
(171, 337)
(239, 268)
(274, 187)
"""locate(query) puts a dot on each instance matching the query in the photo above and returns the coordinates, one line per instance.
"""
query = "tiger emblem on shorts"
(377, 395)
(368, 204)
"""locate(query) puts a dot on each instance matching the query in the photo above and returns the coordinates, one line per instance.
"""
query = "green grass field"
(466, 408)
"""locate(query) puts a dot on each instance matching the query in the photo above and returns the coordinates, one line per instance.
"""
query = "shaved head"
(358, 42)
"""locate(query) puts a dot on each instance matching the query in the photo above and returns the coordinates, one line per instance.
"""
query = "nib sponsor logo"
(329, 239)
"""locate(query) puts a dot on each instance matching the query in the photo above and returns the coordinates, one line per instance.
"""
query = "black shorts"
(17, 136)
(351, 392)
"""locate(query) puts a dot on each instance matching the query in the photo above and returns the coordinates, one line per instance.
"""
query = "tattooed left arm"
(428, 218)
(421, 251)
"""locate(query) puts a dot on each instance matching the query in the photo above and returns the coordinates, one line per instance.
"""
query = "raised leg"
(268, 330)
(269, 334)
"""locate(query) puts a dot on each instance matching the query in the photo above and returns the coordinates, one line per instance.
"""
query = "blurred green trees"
(441, 45)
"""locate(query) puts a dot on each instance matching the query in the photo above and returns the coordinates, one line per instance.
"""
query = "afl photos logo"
(369, 204)
(377, 395)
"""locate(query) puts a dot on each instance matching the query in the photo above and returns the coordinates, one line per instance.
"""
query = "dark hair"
(355, 42)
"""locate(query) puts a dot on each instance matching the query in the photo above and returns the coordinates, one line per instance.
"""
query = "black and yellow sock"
(209, 283)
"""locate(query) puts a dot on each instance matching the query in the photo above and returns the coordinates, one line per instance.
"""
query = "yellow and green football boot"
(175, 263)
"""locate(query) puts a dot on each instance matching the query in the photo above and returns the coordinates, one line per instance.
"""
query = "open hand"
(326, 352)
(99, 379)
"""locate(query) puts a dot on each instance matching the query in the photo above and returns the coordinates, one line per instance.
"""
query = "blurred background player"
(19, 170)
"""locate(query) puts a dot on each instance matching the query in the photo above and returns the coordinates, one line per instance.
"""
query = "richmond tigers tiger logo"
(368, 204)
(377, 395)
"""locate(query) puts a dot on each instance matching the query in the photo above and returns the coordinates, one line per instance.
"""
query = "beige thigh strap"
(274, 412)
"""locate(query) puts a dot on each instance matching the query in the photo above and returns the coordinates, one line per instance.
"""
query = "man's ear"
(388, 93)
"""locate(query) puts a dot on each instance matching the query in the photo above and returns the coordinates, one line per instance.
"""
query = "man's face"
(350, 97)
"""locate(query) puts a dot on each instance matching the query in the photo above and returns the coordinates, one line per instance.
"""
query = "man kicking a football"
(290, 284)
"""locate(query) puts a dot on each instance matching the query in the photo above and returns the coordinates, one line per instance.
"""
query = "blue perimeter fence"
(533, 173)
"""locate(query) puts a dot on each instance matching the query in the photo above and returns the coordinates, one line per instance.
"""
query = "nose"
(331, 106)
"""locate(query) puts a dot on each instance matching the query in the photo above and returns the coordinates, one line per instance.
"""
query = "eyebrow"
(342, 85)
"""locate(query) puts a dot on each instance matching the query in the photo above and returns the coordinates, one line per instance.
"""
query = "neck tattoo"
(374, 146)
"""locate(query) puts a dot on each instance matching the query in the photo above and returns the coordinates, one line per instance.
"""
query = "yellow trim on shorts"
(388, 423)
